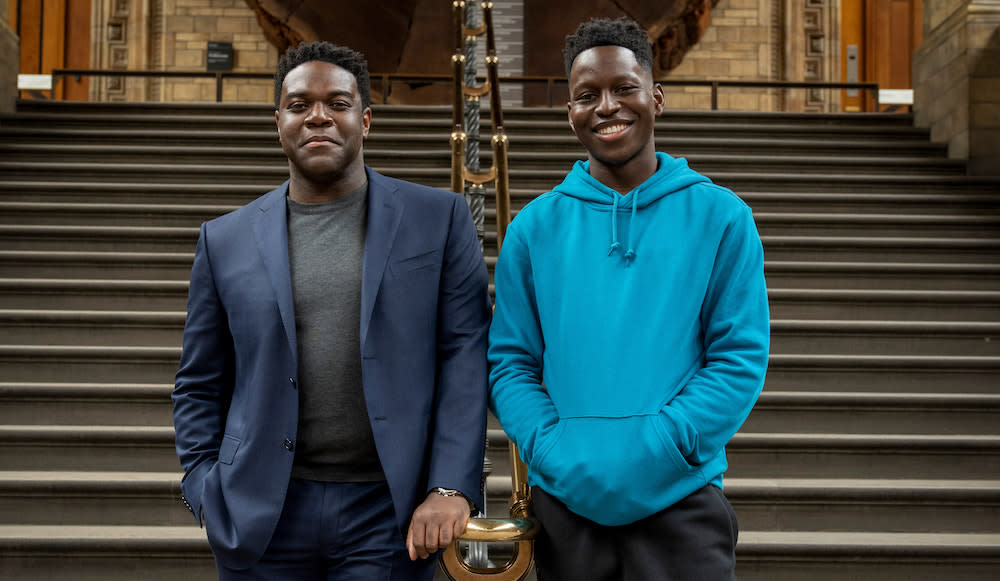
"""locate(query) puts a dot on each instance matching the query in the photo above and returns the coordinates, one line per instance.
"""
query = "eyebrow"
(305, 95)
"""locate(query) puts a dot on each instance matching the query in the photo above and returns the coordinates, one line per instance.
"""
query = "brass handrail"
(521, 527)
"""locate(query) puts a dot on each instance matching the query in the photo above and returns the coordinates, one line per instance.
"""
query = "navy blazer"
(424, 319)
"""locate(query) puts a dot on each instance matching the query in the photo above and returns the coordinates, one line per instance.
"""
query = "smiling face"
(322, 126)
(612, 108)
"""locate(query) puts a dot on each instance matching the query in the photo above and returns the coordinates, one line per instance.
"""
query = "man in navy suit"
(330, 404)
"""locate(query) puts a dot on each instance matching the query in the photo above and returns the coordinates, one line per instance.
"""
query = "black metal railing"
(384, 82)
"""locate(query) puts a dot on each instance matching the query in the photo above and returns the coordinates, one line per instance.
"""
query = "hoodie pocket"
(540, 453)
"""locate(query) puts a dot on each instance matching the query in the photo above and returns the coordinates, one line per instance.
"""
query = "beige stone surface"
(957, 80)
(9, 65)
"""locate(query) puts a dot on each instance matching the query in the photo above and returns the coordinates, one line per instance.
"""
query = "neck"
(625, 177)
(311, 191)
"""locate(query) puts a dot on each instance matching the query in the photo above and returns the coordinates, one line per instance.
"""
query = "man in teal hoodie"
(630, 337)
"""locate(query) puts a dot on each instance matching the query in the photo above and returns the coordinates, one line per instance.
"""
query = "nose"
(318, 115)
(608, 103)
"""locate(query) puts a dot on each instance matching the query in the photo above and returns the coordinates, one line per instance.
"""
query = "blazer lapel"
(270, 229)
(385, 209)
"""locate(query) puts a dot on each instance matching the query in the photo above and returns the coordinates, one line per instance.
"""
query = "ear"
(366, 122)
(658, 98)
(277, 125)
(569, 117)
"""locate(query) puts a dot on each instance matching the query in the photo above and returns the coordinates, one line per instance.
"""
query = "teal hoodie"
(630, 338)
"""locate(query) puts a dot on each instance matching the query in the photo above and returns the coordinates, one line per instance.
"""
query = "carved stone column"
(812, 52)
(956, 79)
(9, 60)
(120, 39)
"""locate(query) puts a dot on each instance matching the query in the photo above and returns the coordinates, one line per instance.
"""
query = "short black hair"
(350, 60)
(621, 31)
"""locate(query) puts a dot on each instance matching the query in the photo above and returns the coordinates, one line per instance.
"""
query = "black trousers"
(693, 540)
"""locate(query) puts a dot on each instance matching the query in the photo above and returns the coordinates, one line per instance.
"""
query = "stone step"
(522, 139)
(883, 337)
(96, 214)
(783, 223)
(222, 115)
(829, 274)
(102, 327)
(177, 239)
(794, 556)
(49, 264)
(883, 373)
(131, 191)
(803, 336)
(751, 455)
(94, 294)
(791, 223)
(87, 448)
(92, 498)
(90, 363)
(439, 155)
(838, 504)
(779, 187)
(789, 372)
(785, 303)
(99, 498)
(883, 456)
(99, 553)
(972, 195)
(90, 553)
(919, 276)
(824, 456)
(847, 248)
(171, 239)
(894, 304)
(81, 404)
(874, 413)
(736, 172)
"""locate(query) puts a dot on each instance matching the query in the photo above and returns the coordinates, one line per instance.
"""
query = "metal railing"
(385, 82)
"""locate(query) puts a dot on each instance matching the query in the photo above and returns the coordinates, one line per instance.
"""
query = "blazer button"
(289, 445)
(291, 380)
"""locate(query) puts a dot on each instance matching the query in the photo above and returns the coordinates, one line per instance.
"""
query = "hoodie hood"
(672, 175)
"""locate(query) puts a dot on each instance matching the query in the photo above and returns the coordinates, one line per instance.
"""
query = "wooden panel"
(77, 49)
(852, 30)
(53, 35)
(901, 51)
(890, 41)
(29, 28)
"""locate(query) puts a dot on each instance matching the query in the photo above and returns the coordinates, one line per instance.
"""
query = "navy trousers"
(693, 540)
(333, 531)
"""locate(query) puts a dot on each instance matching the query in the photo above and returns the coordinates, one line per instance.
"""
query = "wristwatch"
(452, 492)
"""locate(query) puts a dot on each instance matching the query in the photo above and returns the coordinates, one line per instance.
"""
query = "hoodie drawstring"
(614, 226)
(630, 254)
(615, 245)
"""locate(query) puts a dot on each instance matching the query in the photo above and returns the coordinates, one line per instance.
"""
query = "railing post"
(218, 86)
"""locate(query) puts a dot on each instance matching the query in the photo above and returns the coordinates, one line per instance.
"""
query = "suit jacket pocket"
(227, 451)
(422, 260)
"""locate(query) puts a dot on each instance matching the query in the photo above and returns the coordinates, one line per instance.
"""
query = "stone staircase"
(874, 452)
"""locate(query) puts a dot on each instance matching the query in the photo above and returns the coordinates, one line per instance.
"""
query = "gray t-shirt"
(325, 252)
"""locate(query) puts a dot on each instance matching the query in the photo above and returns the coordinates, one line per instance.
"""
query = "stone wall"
(9, 60)
(173, 35)
(739, 45)
(956, 77)
(764, 40)
(188, 27)
(747, 40)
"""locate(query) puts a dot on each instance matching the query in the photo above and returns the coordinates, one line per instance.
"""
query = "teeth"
(611, 129)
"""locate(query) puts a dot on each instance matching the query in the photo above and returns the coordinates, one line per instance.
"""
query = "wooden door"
(54, 34)
(881, 35)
